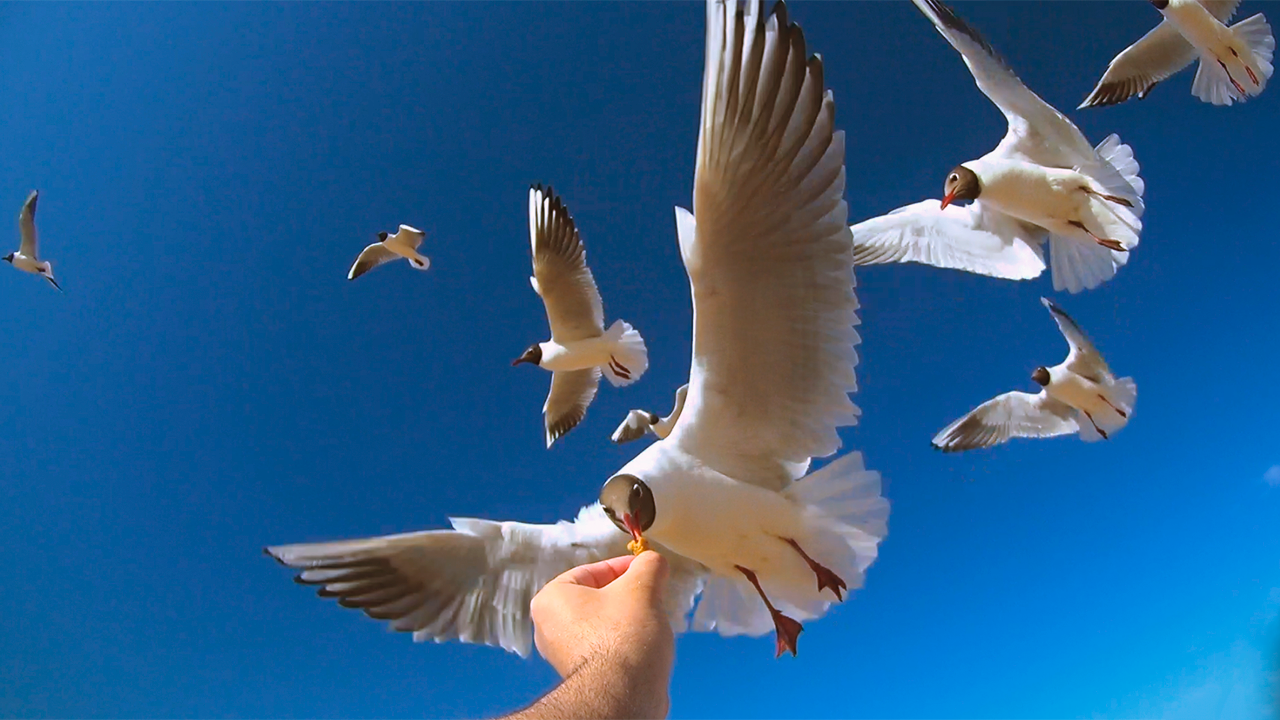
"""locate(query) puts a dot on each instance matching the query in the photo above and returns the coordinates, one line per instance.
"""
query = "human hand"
(612, 608)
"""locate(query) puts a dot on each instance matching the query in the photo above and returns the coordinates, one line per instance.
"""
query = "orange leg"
(786, 629)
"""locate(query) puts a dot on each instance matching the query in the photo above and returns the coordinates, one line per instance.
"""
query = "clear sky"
(210, 383)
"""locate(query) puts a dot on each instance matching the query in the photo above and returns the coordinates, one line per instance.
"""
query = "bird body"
(1235, 61)
(26, 258)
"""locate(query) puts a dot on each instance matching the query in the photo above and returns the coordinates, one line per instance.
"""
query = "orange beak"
(946, 199)
(632, 526)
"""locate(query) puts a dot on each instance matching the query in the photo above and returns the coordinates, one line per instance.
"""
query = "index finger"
(597, 574)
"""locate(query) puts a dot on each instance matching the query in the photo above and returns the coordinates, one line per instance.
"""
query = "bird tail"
(1081, 265)
(628, 356)
(1256, 34)
(420, 262)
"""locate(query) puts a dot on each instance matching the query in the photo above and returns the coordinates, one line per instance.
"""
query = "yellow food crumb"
(638, 546)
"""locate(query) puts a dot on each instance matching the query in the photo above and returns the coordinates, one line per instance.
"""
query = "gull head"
(1159, 4)
(629, 504)
(9, 258)
(1041, 376)
(962, 184)
(532, 355)
(382, 237)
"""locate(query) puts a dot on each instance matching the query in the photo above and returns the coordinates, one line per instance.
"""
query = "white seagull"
(639, 422)
(580, 349)
(1043, 181)
(725, 496)
(1079, 395)
(1235, 62)
(404, 244)
(27, 259)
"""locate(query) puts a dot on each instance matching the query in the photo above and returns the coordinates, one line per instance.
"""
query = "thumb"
(647, 575)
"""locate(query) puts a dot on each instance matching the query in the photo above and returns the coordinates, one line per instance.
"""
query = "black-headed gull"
(1079, 395)
(1235, 62)
(640, 422)
(725, 496)
(580, 348)
(404, 244)
(1042, 182)
(27, 258)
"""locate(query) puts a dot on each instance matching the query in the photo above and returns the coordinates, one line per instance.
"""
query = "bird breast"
(576, 355)
(1033, 193)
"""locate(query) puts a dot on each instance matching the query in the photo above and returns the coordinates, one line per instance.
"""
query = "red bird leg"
(787, 630)
(1110, 198)
(1238, 86)
(826, 578)
(1119, 412)
(1101, 432)
(1104, 242)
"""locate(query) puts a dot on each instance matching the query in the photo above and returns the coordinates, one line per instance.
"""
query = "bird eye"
(954, 177)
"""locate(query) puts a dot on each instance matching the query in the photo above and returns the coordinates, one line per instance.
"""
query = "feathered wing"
(769, 258)
(973, 238)
(1158, 55)
(634, 427)
(1084, 359)
(571, 394)
(370, 258)
(27, 226)
(1013, 414)
(472, 583)
(560, 273)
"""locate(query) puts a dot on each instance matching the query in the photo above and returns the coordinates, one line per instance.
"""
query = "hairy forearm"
(605, 686)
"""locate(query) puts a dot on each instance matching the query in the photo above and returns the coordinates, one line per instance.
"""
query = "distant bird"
(27, 259)
(580, 349)
(639, 422)
(727, 496)
(1043, 181)
(1079, 395)
(1235, 62)
(404, 244)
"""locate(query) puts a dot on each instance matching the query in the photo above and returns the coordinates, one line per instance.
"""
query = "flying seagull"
(639, 422)
(404, 244)
(727, 496)
(27, 259)
(1043, 182)
(1235, 62)
(1079, 395)
(580, 349)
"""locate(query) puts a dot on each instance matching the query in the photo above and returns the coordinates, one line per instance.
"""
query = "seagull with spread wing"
(1235, 62)
(728, 496)
(404, 244)
(1044, 182)
(580, 349)
(640, 422)
(26, 258)
(1080, 395)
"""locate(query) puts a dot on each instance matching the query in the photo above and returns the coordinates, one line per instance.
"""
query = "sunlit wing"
(27, 225)
(571, 394)
(1013, 414)
(473, 583)
(1084, 359)
(972, 237)
(370, 258)
(406, 237)
(769, 257)
(560, 272)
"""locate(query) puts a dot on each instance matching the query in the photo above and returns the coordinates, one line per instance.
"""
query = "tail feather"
(1081, 265)
(629, 357)
(1124, 394)
(1256, 34)
(1120, 157)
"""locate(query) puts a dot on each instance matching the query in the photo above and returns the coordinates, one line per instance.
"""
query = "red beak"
(632, 526)
(946, 199)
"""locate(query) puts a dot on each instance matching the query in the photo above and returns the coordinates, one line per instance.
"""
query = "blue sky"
(210, 382)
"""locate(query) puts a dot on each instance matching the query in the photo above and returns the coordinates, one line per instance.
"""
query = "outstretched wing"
(1013, 414)
(973, 238)
(560, 273)
(370, 258)
(472, 583)
(571, 394)
(1037, 133)
(1158, 55)
(770, 257)
(27, 226)
(636, 424)
(407, 237)
(1084, 359)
